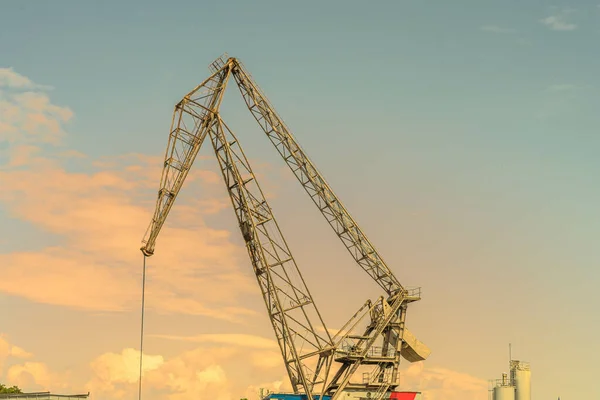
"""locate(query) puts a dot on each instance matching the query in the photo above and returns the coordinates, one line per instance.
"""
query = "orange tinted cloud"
(29, 116)
(31, 374)
(8, 350)
(239, 339)
(442, 384)
(34, 375)
(96, 221)
(100, 223)
(208, 372)
(22, 155)
(235, 366)
(112, 368)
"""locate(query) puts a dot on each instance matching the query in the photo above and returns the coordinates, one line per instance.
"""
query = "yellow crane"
(318, 365)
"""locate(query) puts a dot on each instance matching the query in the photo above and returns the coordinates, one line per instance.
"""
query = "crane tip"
(146, 252)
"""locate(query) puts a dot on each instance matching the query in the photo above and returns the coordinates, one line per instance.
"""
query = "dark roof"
(41, 395)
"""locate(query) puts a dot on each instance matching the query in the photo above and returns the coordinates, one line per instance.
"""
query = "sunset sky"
(462, 136)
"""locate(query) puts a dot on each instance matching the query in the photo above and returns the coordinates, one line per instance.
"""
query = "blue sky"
(462, 135)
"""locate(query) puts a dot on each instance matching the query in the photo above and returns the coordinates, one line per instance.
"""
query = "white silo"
(504, 393)
(503, 389)
(520, 376)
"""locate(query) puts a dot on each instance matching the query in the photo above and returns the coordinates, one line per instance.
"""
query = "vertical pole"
(509, 355)
(142, 328)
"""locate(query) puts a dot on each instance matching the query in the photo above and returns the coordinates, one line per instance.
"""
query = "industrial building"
(513, 386)
(520, 376)
(43, 396)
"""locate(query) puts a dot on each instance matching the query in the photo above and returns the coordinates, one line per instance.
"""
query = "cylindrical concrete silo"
(504, 393)
(503, 389)
(520, 377)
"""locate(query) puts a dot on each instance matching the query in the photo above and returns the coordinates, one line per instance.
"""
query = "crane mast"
(307, 348)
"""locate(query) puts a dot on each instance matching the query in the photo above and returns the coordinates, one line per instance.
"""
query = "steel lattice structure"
(308, 355)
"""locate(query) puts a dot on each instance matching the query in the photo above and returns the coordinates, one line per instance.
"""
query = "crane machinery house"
(362, 360)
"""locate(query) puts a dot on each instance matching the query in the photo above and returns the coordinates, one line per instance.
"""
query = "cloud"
(8, 350)
(235, 366)
(34, 376)
(244, 340)
(223, 366)
(267, 359)
(29, 375)
(10, 79)
(22, 155)
(236, 370)
(29, 117)
(95, 219)
(259, 390)
(442, 384)
(223, 372)
(18, 352)
(558, 100)
(26, 113)
(497, 29)
(99, 219)
(124, 367)
(564, 87)
(558, 22)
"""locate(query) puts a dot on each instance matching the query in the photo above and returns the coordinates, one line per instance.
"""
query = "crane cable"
(142, 327)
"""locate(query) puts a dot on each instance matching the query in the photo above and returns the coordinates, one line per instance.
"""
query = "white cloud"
(558, 23)
(564, 87)
(11, 79)
(497, 29)
(28, 116)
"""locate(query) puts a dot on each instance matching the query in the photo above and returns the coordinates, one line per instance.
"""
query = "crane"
(318, 365)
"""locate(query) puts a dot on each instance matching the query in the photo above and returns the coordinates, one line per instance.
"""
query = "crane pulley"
(317, 364)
